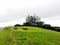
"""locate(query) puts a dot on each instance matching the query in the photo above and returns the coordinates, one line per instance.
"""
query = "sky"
(15, 11)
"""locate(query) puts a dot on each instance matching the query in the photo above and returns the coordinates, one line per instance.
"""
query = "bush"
(17, 25)
(26, 24)
(46, 26)
(39, 24)
(56, 29)
(25, 28)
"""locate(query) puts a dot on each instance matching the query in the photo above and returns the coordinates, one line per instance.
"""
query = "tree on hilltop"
(33, 20)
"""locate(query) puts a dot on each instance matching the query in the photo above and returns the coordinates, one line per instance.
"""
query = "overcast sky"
(15, 11)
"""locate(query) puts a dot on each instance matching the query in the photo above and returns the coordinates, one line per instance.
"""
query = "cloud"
(11, 10)
(12, 23)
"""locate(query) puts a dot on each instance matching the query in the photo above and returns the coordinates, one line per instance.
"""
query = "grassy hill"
(31, 36)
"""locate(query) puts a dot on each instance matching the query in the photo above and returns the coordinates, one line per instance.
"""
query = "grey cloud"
(47, 10)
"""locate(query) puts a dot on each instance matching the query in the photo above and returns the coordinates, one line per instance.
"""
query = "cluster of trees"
(36, 21)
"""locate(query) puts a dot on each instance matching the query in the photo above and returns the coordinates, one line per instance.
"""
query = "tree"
(32, 19)
(17, 25)
(47, 26)
(40, 24)
(26, 24)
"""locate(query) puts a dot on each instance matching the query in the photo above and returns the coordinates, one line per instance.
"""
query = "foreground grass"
(3, 37)
(6, 37)
(36, 36)
(32, 36)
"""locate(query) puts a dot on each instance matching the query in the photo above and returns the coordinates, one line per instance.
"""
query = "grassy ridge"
(3, 37)
(6, 37)
(36, 36)
(32, 36)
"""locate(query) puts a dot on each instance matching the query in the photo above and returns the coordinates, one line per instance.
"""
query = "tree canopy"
(32, 19)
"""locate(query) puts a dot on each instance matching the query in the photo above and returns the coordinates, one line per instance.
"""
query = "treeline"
(36, 21)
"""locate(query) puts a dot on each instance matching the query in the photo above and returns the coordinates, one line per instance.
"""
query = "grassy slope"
(6, 37)
(3, 37)
(36, 36)
(32, 36)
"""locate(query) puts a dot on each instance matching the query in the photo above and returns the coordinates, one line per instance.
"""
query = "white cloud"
(11, 10)
(12, 23)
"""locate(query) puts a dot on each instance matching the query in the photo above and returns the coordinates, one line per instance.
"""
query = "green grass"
(6, 37)
(36, 36)
(32, 36)
(3, 37)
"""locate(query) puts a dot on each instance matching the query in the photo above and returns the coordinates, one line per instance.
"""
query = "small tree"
(32, 19)
(40, 24)
(26, 24)
(17, 25)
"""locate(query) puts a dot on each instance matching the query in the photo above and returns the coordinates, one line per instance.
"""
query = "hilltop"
(31, 36)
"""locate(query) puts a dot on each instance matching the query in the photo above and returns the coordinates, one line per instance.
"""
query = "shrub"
(25, 28)
(17, 25)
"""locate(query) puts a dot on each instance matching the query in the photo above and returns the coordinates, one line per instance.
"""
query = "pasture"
(30, 36)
